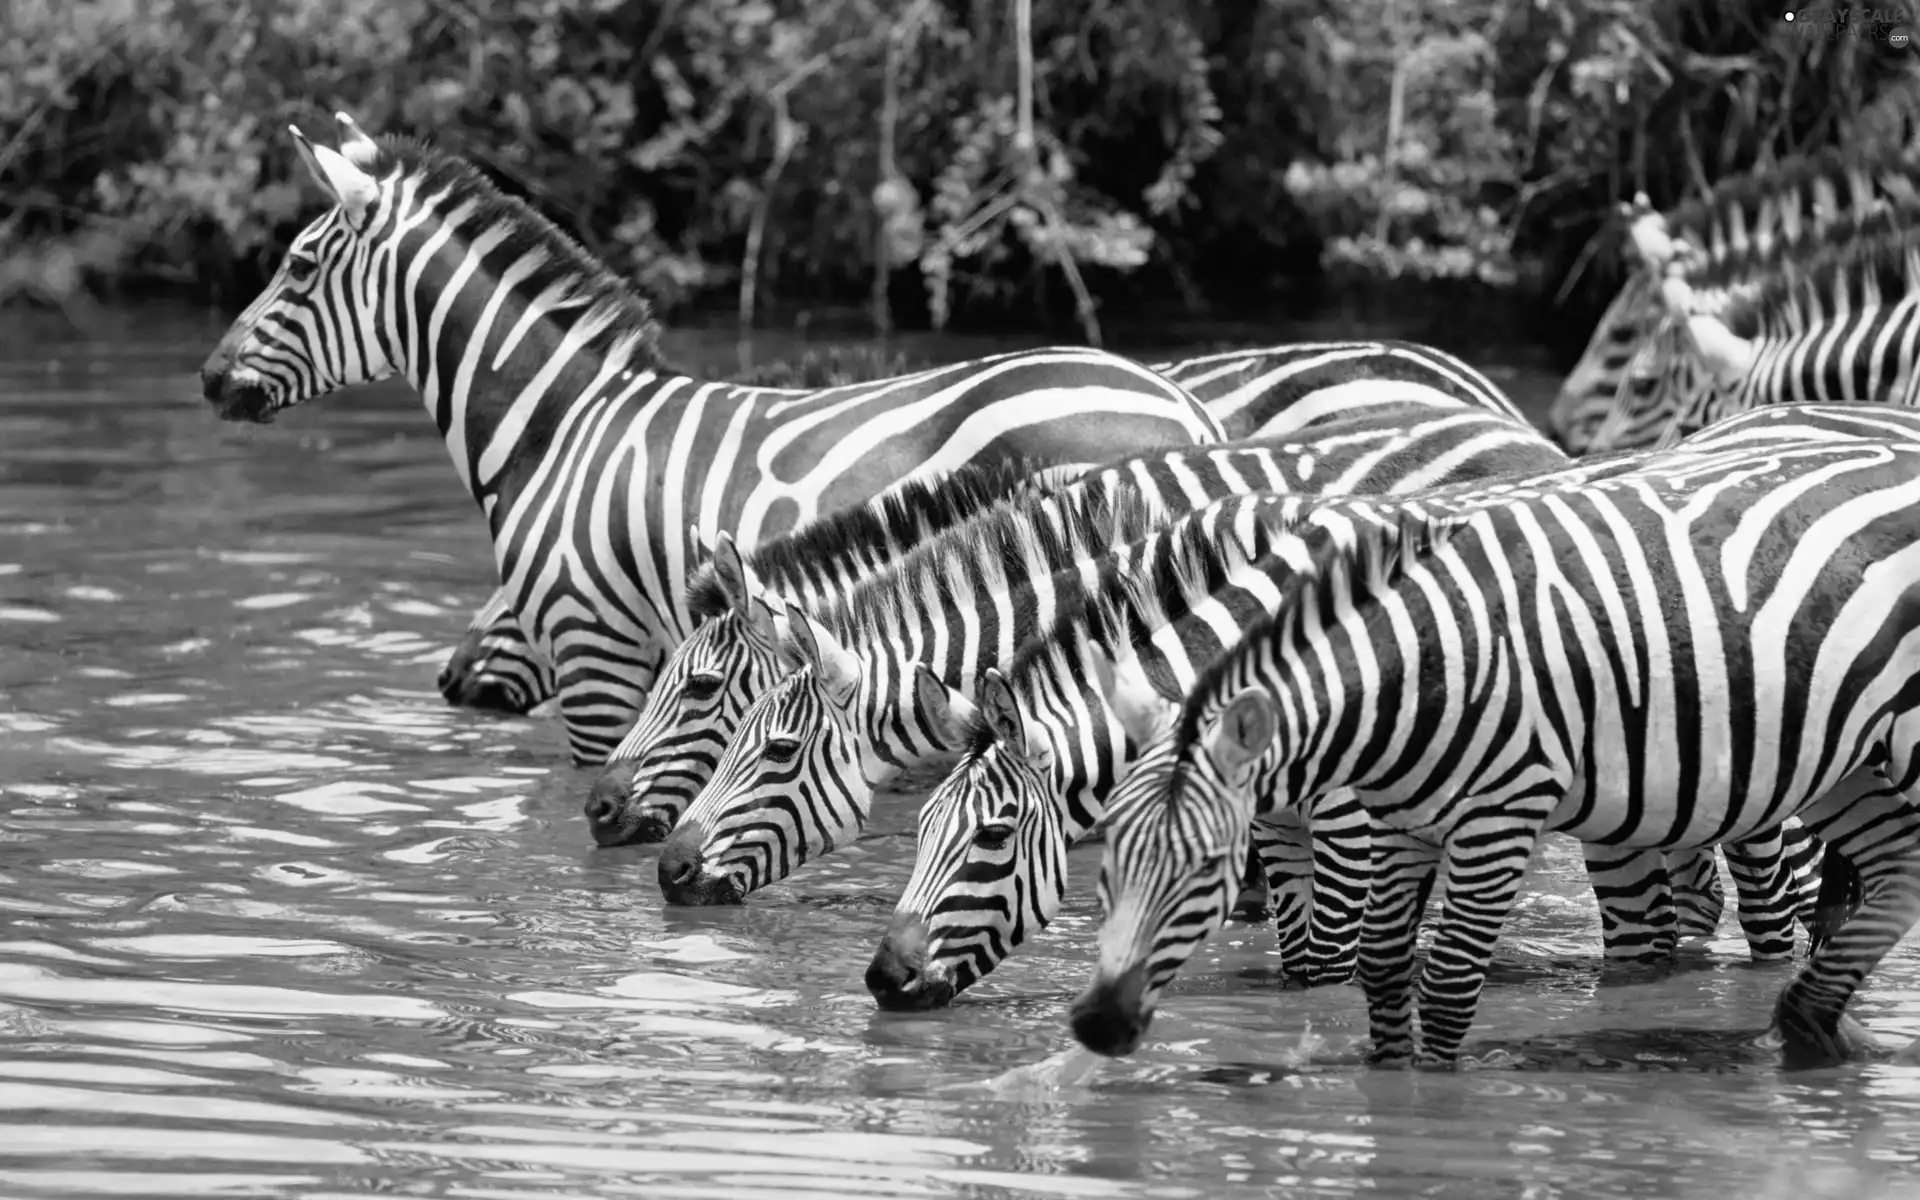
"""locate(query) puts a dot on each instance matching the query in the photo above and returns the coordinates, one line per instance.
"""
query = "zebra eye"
(782, 750)
(300, 268)
(702, 687)
(992, 837)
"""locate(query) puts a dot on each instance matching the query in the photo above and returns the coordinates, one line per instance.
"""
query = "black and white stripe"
(1269, 392)
(1668, 658)
(884, 729)
(588, 456)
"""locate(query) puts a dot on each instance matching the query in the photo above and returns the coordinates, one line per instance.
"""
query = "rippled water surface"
(275, 921)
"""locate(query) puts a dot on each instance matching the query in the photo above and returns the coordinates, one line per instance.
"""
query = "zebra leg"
(1801, 853)
(1403, 870)
(1486, 861)
(1285, 857)
(1635, 896)
(1699, 900)
(1342, 877)
(1838, 895)
(1257, 887)
(1765, 885)
(1876, 827)
(598, 706)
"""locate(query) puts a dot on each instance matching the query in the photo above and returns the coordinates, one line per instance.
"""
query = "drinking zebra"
(588, 457)
(1740, 227)
(1044, 751)
(732, 656)
(1686, 653)
(1265, 393)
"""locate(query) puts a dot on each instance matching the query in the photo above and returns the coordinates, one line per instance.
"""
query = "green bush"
(748, 153)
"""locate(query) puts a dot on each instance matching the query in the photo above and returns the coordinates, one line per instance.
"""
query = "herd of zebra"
(1314, 623)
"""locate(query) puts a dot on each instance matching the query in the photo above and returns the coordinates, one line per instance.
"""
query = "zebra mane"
(1803, 197)
(1876, 261)
(1178, 566)
(849, 539)
(1027, 539)
(622, 319)
(1385, 542)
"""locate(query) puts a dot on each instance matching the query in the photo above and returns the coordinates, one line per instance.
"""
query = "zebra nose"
(680, 863)
(1110, 1017)
(606, 807)
(895, 975)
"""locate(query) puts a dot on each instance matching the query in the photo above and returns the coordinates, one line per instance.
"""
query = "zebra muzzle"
(1112, 1015)
(236, 399)
(686, 879)
(614, 815)
(898, 979)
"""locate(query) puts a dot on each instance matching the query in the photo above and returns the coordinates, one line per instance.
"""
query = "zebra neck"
(507, 373)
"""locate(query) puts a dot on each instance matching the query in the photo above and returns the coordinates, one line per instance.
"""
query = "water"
(275, 921)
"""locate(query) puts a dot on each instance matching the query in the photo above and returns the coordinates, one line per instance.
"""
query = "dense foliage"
(820, 153)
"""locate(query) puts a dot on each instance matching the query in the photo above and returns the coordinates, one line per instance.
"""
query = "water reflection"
(275, 921)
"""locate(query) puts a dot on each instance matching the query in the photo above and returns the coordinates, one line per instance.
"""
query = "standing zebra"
(1737, 231)
(1663, 659)
(991, 862)
(1265, 393)
(588, 458)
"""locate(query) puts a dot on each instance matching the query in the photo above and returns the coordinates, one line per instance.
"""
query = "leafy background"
(768, 159)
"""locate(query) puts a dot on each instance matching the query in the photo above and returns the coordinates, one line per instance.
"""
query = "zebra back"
(1283, 390)
(1740, 233)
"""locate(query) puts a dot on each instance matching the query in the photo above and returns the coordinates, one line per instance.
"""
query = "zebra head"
(1713, 363)
(986, 832)
(991, 867)
(1664, 379)
(707, 685)
(1178, 830)
(315, 329)
(791, 786)
(1587, 395)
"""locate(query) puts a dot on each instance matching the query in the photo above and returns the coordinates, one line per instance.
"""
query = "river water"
(276, 921)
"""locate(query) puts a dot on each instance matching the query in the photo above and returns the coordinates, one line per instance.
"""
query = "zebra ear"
(947, 710)
(838, 670)
(1142, 711)
(1728, 355)
(1647, 233)
(1244, 731)
(736, 578)
(1003, 713)
(355, 146)
(699, 549)
(1677, 295)
(351, 188)
(762, 622)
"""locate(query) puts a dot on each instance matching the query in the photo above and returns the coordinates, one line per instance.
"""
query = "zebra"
(1841, 327)
(994, 834)
(1607, 660)
(586, 454)
(1734, 231)
(667, 757)
(1268, 392)
(731, 657)
(1001, 567)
